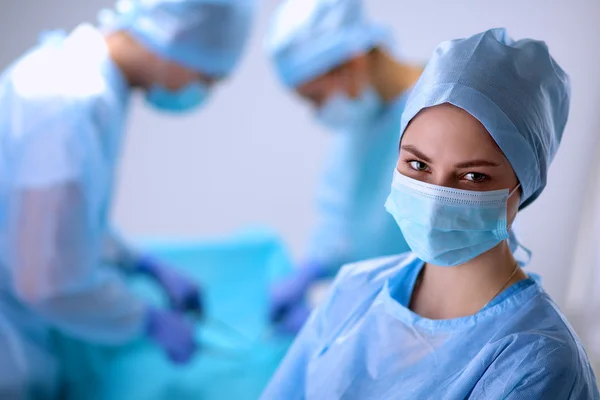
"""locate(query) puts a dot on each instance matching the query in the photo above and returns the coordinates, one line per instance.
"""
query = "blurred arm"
(56, 267)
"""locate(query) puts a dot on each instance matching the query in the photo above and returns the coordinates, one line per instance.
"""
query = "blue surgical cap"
(307, 38)
(204, 35)
(514, 88)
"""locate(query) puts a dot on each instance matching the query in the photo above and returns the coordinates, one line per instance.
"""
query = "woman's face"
(349, 78)
(446, 146)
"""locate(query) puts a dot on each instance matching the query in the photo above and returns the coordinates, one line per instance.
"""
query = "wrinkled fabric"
(208, 36)
(365, 343)
(308, 38)
(352, 222)
(62, 114)
(523, 104)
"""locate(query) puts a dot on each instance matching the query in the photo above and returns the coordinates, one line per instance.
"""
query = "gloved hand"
(293, 320)
(183, 292)
(288, 309)
(173, 333)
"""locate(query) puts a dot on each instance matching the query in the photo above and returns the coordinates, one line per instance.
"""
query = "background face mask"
(343, 113)
(187, 98)
(445, 226)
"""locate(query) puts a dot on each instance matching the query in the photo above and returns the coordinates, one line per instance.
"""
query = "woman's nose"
(445, 180)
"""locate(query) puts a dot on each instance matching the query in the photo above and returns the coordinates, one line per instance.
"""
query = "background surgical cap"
(307, 38)
(514, 88)
(205, 35)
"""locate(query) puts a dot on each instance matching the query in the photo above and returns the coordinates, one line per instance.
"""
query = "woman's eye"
(418, 165)
(476, 177)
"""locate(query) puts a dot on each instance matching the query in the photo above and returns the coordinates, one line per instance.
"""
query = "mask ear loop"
(514, 190)
(509, 228)
(521, 253)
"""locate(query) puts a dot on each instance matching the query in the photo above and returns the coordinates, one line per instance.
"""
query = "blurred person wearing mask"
(64, 107)
(338, 61)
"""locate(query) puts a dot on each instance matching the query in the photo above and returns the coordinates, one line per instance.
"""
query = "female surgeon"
(63, 107)
(455, 318)
(341, 64)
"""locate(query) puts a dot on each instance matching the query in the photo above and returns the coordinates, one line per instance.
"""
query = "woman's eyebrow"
(465, 164)
(476, 163)
(414, 151)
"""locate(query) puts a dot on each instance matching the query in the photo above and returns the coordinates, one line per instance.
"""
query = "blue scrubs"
(365, 343)
(353, 224)
(62, 111)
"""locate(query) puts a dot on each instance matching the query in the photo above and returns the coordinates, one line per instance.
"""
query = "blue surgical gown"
(62, 111)
(352, 223)
(364, 343)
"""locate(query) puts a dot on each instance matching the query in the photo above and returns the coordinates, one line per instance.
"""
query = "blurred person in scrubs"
(341, 63)
(456, 317)
(64, 105)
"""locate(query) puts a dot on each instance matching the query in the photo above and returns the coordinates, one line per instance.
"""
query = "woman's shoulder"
(539, 353)
(540, 365)
(375, 271)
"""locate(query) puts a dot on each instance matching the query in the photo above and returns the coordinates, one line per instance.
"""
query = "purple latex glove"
(293, 320)
(183, 292)
(288, 309)
(173, 333)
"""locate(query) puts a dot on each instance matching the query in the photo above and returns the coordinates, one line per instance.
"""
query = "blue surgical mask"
(445, 226)
(341, 113)
(187, 98)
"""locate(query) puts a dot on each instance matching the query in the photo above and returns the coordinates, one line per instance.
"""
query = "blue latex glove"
(173, 333)
(288, 309)
(183, 292)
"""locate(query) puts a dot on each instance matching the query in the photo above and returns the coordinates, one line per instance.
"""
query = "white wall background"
(254, 154)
